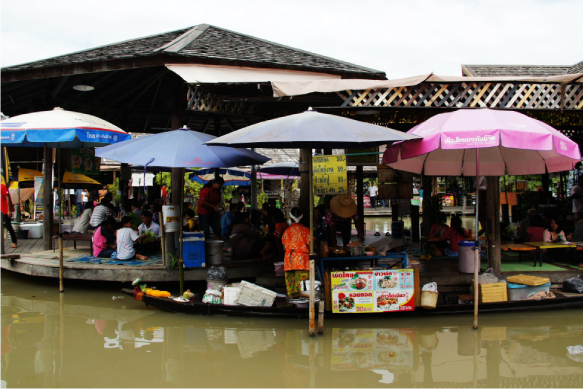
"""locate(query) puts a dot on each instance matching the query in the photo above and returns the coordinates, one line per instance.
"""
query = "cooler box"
(194, 235)
(193, 252)
(520, 292)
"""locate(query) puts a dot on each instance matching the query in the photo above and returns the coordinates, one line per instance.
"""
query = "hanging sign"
(83, 161)
(372, 291)
(365, 157)
(329, 173)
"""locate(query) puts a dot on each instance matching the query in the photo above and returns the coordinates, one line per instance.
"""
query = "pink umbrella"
(499, 140)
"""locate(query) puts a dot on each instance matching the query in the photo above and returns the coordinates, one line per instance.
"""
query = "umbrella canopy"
(508, 141)
(232, 176)
(179, 148)
(281, 169)
(79, 181)
(59, 128)
(267, 176)
(309, 130)
(27, 174)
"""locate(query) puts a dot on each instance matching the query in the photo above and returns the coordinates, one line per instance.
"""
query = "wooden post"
(312, 326)
(360, 195)
(427, 188)
(304, 202)
(60, 233)
(48, 198)
(493, 223)
(177, 181)
(321, 305)
(415, 223)
(417, 287)
(180, 236)
(163, 239)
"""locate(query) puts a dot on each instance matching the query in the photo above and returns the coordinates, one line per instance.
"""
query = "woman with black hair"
(455, 233)
(104, 239)
(554, 232)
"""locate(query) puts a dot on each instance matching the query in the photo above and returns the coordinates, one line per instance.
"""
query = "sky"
(402, 38)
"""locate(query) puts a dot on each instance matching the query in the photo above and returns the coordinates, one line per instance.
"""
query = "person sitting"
(296, 242)
(554, 232)
(227, 219)
(82, 224)
(256, 220)
(136, 221)
(126, 236)
(104, 239)
(136, 210)
(148, 225)
(342, 209)
(241, 206)
(99, 214)
(535, 233)
(577, 235)
(245, 242)
(439, 228)
(455, 233)
(156, 209)
(189, 224)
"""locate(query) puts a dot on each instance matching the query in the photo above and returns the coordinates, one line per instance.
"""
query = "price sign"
(329, 175)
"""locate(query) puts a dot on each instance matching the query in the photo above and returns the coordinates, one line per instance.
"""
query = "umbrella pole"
(180, 261)
(312, 326)
(60, 235)
(477, 243)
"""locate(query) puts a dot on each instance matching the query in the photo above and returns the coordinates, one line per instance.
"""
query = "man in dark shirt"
(208, 208)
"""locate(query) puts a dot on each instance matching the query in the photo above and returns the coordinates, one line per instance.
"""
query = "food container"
(255, 296)
(216, 284)
(520, 292)
(355, 251)
(279, 269)
(369, 253)
(429, 299)
(231, 294)
(528, 280)
(492, 293)
(303, 302)
(306, 287)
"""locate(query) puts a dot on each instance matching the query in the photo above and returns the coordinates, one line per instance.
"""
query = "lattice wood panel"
(469, 95)
(210, 102)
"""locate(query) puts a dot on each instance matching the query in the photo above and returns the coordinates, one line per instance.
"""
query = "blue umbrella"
(179, 148)
(282, 169)
(232, 176)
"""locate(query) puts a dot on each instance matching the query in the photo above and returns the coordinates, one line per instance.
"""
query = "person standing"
(79, 200)
(342, 210)
(208, 208)
(296, 243)
(372, 191)
(577, 197)
(7, 214)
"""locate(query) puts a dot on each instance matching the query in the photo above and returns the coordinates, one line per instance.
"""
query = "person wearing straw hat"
(342, 209)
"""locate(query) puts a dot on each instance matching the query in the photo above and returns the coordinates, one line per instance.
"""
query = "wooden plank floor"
(26, 246)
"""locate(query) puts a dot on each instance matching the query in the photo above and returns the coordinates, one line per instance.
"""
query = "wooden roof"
(577, 68)
(200, 44)
(514, 70)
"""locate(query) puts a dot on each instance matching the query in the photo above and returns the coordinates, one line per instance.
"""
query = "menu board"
(329, 175)
(363, 348)
(370, 291)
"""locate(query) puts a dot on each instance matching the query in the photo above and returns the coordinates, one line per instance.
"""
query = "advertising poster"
(83, 161)
(329, 174)
(372, 291)
(355, 349)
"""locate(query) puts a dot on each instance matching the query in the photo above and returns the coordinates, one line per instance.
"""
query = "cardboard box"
(255, 296)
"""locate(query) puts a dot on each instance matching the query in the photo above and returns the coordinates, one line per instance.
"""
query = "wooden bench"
(74, 238)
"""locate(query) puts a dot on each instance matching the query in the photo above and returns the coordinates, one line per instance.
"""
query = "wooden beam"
(48, 198)
(145, 81)
(493, 223)
(59, 86)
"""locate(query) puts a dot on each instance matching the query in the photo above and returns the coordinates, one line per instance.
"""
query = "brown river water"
(83, 338)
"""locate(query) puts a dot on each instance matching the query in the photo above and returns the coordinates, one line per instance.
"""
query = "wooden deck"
(42, 267)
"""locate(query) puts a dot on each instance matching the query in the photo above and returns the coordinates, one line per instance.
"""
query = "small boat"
(282, 308)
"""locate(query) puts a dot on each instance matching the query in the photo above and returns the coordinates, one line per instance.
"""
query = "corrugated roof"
(514, 70)
(204, 42)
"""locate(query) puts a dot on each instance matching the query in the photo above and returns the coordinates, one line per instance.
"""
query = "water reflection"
(83, 341)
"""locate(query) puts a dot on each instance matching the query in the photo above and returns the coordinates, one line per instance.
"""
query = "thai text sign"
(372, 291)
(329, 173)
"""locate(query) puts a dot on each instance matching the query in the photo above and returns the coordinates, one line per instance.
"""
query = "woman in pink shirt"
(104, 239)
(455, 233)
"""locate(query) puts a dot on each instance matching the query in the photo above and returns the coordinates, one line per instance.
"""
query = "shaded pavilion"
(135, 88)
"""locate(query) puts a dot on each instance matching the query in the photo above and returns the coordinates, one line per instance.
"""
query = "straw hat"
(343, 206)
